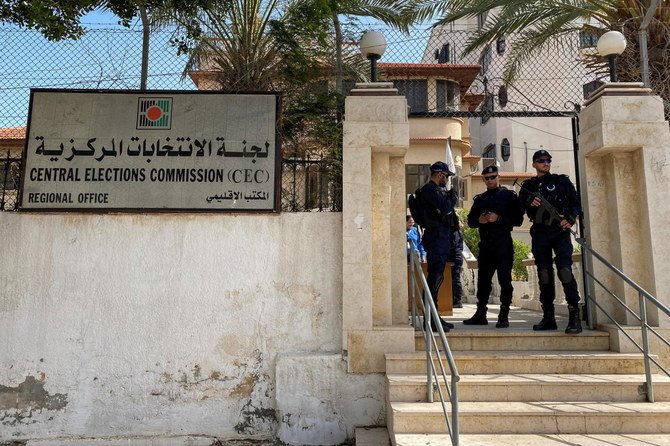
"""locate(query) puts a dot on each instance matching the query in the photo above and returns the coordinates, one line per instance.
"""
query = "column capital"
(619, 89)
(374, 89)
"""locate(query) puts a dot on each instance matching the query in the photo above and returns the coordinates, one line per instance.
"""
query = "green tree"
(55, 19)
(533, 25)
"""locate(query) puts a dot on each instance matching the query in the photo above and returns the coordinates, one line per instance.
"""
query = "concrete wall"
(169, 325)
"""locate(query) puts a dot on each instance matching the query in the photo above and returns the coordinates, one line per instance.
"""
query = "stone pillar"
(625, 154)
(381, 240)
(376, 137)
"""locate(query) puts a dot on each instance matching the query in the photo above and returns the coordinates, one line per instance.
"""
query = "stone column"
(625, 154)
(376, 137)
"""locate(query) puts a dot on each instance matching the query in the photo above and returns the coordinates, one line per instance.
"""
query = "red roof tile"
(12, 133)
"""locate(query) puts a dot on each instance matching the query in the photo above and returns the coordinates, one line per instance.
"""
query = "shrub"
(521, 251)
(471, 238)
(470, 235)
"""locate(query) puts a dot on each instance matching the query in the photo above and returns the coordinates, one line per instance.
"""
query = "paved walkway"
(520, 319)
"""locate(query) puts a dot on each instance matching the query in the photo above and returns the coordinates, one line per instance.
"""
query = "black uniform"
(496, 250)
(456, 257)
(547, 235)
(439, 205)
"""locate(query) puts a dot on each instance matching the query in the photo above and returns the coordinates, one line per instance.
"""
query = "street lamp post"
(610, 45)
(373, 45)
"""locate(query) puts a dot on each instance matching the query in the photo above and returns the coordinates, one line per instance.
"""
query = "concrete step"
(372, 436)
(535, 440)
(534, 387)
(539, 362)
(533, 418)
(520, 340)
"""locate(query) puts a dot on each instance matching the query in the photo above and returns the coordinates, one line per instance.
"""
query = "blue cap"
(490, 169)
(440, 167)
(541, 153)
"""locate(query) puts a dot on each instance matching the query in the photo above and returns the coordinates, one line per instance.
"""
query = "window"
(447, 95)
(416, 175)
(489, 151)
(442, 55)
(501, 45)
(587, 39)
(505, 149)
(415, 90)
(481, 19)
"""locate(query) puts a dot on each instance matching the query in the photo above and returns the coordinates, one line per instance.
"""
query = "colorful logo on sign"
(154, 113)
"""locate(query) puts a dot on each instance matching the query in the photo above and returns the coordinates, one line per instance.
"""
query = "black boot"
(503, 322)
(479, 318)
(548, 321)
(446, 326)
(574, 324)
(458, 303)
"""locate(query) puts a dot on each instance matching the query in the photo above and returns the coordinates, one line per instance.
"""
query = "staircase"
(520, 387)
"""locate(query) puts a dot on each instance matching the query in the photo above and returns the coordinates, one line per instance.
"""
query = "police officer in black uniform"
(494, 212)
(456, 258)
(438, 204)
(551, 233)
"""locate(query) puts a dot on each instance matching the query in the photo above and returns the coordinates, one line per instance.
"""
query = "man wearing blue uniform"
(551, 233)
(495, 212)
(438, 204)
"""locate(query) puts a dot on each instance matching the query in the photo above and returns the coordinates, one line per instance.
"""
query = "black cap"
(440, 167)
(489, 170)
(541, 153)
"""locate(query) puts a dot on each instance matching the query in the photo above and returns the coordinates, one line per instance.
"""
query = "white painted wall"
(164, 324)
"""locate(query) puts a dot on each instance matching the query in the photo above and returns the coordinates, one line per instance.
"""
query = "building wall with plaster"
(173, 324)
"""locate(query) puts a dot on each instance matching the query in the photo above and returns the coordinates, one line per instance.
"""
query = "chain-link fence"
(427, 66)
(101, 59)
(310, 185)
(437, 78)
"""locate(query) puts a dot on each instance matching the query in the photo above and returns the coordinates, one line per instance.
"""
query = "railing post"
(412, 287)
(589, 287)
(454, 411)
(645, 346)
(429, 345)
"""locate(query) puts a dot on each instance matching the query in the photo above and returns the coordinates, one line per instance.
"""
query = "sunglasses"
(544, 161)
(490, 178)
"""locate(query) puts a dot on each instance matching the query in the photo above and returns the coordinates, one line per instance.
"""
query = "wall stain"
(245, 387)
(253, 418)
(18, 403)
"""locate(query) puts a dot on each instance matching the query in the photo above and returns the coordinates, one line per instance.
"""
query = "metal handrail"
(643, 297)
(431, 345)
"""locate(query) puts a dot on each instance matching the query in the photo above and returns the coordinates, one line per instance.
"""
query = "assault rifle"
(546, 207)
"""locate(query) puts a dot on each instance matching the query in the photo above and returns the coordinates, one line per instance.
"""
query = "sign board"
(150, 151)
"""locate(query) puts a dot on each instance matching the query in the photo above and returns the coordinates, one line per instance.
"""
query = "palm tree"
(535, 24)
(395, 13)
(234, 40)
